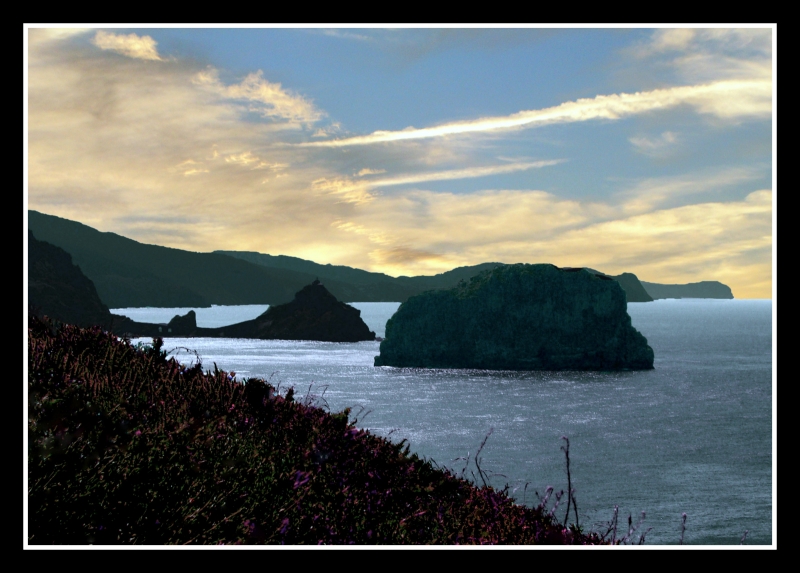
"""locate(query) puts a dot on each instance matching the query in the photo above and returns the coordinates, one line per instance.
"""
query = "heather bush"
(126, 446)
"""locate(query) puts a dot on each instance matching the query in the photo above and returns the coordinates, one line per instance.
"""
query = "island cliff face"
(518, 317)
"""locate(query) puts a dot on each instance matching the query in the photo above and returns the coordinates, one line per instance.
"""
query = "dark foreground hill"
(128, 447)
(518, 317)
(58, 289)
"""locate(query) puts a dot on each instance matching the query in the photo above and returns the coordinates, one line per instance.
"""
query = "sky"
(413, 151)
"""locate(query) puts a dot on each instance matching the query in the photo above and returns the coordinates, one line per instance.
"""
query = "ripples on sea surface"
(693, 435)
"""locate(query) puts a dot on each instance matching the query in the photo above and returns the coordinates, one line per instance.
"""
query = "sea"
(693, 436)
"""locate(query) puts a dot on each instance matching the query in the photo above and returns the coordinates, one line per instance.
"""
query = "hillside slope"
(128, 447)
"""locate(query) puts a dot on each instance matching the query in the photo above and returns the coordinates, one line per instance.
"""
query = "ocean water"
(693, 435)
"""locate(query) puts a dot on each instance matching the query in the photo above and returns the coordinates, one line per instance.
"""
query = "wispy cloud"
(270, 99)
(714, 240)
(191, 167)
(131, 45)
(462, 173)
(45, 35)
(652, 193)
(358, 191)
(710, 54)
(654, 146)
(753, 39)
(348, 35)
(367, 171)
(724, 99)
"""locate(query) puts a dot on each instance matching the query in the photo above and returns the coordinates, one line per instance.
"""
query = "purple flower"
(301, 478)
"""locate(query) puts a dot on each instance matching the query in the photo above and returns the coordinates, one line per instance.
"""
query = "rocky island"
(314, 314)
(518, 317)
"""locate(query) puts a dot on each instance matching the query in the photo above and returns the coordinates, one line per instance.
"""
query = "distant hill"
(634, 291)
(633, 288)
(362, 286)
(127, 273)
(374, 286)
(703, 289)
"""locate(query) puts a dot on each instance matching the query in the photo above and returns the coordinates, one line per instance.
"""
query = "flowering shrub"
(126, 446)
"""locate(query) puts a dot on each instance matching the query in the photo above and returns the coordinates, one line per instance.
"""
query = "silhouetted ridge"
(703, 289)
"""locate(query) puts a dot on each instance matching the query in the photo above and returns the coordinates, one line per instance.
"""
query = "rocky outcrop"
(58, 289)
(314, 314)
(703, 289)
(518, 317)
(181, 326)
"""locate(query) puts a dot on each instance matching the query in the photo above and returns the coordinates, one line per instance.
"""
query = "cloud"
(724, 99)
(462, 173)
(343, 190)
(133, 46)
(358, 192)
(404, 256)
(672, 39)
(702, 55)
(110, 139)
(347, 35)
(654, 146)
(130, 147)
(651, 193)
(270, 99)
(709, 240)
(332, 129)
(191, 167)
(46, 35)
(754, 40)
(367, 171)
(678, 245)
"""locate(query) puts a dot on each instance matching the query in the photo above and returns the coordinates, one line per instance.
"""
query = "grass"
(126, 446)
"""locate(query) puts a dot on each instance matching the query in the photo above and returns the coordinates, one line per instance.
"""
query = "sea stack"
(518, 317)
(314, 314)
